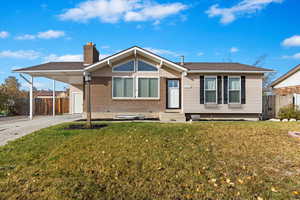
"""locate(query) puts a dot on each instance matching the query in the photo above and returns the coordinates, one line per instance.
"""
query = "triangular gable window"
(143, 66)
(125, 67)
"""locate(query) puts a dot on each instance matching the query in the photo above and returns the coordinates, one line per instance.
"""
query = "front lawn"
(205, 160)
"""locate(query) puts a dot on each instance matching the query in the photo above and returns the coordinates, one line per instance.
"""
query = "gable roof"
(285, 76)
(187, 67)
(134, 50)
(222, 66)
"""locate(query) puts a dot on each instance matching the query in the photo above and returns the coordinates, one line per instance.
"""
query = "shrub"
(289, 112)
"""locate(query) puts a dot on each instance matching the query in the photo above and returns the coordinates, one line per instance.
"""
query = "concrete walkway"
(16, 127)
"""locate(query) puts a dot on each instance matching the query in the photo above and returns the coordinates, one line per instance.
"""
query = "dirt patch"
(83, 126)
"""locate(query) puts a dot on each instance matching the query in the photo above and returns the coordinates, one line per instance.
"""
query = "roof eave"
(229, 71)
(46, 71)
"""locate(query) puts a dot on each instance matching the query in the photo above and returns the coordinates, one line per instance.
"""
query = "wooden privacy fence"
(43, 106)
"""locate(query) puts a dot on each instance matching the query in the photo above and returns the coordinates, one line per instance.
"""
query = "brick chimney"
(90, 54)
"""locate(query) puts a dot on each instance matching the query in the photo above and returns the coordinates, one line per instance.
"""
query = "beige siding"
(191, 97)
(73, 89)
(282, 100)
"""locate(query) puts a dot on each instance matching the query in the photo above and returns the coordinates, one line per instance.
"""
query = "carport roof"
(54, 66)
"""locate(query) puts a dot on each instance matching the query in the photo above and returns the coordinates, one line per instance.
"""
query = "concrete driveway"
(12, 128)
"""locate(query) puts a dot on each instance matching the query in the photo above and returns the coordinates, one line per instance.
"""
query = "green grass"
(205, 160)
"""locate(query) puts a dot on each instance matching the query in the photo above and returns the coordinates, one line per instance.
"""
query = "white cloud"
(200, 54)
(68, 58)
(3, 34)
(50, 34)
(155, 12)
(113, 11)
(292, 41)
(63, 58)
(295, 56)
(21, 54)
(105, 47)
(25, 37)
(234, 50)
(101, 56)
(163, 52)
(245, 7)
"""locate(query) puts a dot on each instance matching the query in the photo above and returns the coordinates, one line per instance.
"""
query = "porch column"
(53, 98)
(87, 80)
(31, 98)
(183, 74)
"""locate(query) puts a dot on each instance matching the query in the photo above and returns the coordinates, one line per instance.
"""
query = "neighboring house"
(137, 82)
(287, 88)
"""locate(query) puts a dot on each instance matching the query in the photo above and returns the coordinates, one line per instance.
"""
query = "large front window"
(123, 87)
(148, 87)
(210, 86)
(234, 93)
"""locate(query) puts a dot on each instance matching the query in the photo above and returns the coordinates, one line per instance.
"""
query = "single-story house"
(287, 89)
(137, 82)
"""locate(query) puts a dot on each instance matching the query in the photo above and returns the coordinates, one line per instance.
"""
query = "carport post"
(87, 79)
(53, 99)
(31, 98)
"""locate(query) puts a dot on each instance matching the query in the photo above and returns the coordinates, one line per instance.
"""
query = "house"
(137, 82)
(287, 88)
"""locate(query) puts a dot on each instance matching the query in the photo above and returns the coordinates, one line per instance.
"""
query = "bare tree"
(268, 77)
(260, 60)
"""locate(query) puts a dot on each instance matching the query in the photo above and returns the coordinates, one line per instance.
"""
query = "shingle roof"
(286, 75)
(222, 66)
(188, 65)
(55, 66)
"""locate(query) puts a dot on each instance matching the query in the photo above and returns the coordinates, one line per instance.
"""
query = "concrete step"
(172, 117)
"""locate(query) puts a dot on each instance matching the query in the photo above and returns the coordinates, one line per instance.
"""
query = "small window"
(234, 93)
(148, 87)
(125, 67)
(210, 89)
(143, 66)
(122, 87)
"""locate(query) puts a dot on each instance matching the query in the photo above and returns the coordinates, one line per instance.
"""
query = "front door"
(77, 103)
(173, 100)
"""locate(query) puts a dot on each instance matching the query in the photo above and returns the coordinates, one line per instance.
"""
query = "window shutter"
(201, 89)
(225, 89)
(219, 89)
(243, 92)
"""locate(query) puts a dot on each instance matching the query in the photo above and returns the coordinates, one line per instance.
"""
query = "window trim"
(216, 90)
(127, 61)
(240, 90)
(137, 88)
(137, 66)
(112, 87)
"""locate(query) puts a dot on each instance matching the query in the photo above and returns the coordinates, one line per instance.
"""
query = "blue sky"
(34, 32)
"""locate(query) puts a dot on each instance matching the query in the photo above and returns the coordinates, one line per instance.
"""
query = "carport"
(66, 72)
